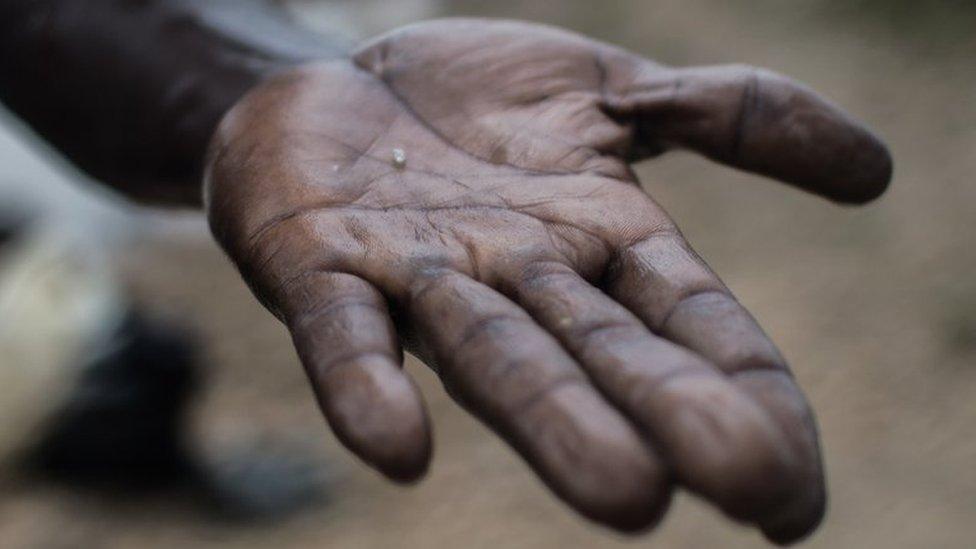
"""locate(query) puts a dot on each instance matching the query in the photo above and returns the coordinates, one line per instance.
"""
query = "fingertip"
(870, 173)
(789, 534)
(640, 505)
(377, 412)
(726, 448)
(598, 463)
(800, 518)
(633, 508)
(407, 469)
(753, 473)
(645, 515)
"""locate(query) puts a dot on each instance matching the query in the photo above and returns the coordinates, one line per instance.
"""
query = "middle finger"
(720, 443)
(509, 372)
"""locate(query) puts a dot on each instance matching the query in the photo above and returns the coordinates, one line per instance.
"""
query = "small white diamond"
(399, 158)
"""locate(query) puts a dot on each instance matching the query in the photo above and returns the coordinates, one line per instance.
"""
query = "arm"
(131, 91)
(462, 189)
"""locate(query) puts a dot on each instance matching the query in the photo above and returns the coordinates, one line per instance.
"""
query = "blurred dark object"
(126, 420)
(13, 224)
(125, 430)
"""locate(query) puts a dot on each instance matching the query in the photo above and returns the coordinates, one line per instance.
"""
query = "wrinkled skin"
(515, 253)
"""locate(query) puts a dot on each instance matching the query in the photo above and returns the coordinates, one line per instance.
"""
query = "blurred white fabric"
(58, 295)
(58, 303)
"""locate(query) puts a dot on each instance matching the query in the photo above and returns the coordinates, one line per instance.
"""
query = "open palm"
(462, 187)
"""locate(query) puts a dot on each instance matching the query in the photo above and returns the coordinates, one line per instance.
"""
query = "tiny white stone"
(399, 158)
(335, 167)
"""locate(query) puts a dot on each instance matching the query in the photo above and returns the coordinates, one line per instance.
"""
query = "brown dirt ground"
(875, 308)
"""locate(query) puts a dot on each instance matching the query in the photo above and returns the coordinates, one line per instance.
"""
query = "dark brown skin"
(515, 253)
(521, 260)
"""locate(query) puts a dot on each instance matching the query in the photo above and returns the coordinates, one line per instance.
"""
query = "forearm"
(130, 91)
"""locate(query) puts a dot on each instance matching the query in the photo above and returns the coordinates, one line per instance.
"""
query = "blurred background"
(875, 308)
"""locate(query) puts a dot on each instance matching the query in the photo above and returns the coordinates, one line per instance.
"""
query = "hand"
(462, 187)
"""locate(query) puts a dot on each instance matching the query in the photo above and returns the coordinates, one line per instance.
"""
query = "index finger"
(503, 367)
(668, 286)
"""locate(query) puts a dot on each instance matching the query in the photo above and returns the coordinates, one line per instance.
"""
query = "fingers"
(758, 121)
(346, 341)
(719, 441)
(672, 291)
(509, 372)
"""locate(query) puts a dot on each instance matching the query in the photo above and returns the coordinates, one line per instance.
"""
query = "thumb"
(755, 120)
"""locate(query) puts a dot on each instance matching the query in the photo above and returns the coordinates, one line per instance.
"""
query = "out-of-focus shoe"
(96, 394)
(125, 420)
(125, 429)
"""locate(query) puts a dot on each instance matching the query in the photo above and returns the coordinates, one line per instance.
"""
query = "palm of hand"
(473, 177)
